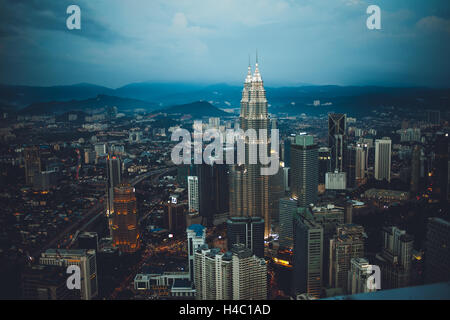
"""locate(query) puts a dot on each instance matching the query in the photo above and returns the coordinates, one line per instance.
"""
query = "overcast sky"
(303, 41)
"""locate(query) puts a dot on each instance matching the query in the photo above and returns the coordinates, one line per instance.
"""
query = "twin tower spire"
(256, 76)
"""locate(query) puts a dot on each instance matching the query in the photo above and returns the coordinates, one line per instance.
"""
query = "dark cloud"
(22, 17)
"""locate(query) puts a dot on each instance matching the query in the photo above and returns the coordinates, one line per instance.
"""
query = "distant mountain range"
(158, 96)
(195, 110)
(100, 101)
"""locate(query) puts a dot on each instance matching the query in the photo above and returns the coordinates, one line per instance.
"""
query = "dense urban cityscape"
(357, 208)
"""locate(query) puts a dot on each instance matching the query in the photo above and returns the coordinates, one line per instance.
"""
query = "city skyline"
(168, 190)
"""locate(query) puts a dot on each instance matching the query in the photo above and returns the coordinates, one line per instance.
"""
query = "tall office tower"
(236, 179)
(415, 170)
(286, 179)
(196, 236)
(304, 170)
(287, 210)
(358, 276)
(348, 243)
(248, 231)
(361, 163)
(337, 132)
(213, 274)
(324, 163)
(88, 240)
(329, 217)
(41, 282)
(213, 191)
(383, 159)
(124, 219)
(308, 252)
(395, 258)
(249, 274)
(255, 187)
(113, 179)
(276, 192)
(175, 215)
(441, 173)
(85, 259)
(350, 165)
(287, 151)
(437, 253)
(193, 196)
(32, 164)
(184, 171)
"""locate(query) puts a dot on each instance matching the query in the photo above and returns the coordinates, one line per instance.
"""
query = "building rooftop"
(197, 228)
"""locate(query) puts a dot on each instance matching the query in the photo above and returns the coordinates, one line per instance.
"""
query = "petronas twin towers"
(249, 190)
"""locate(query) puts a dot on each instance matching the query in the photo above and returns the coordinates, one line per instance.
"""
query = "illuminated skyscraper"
(253, 201)
(124, 219)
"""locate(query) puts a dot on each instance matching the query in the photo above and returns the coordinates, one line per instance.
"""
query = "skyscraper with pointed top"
(249, 189)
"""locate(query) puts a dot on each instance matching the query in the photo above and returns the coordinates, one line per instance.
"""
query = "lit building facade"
(124, 220)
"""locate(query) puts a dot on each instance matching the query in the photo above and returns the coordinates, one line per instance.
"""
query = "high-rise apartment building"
(395, 258)
(213, 274)
(193, 196)
(348, 243)
(196, 235)
(249, 274)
